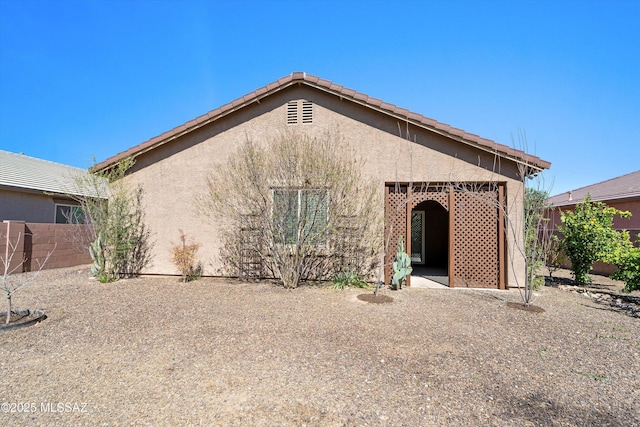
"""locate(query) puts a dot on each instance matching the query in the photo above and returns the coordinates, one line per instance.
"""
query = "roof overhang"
(531, 164)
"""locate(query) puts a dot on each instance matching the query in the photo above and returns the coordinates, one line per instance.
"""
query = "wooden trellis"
(476, 229)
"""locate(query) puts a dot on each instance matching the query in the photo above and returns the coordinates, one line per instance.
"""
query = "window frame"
(64, 216)
(300, 191)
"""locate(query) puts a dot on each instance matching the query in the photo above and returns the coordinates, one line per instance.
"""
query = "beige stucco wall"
(174, 175)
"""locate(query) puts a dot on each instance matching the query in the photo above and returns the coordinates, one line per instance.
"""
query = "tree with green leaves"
(120, 241)
(588, 235)
(626, 257)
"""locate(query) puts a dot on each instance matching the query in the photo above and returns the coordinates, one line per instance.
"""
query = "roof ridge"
(596, 183)
(338, 90)
(22, 155)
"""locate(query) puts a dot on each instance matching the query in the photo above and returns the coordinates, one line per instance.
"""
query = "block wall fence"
(33, 241)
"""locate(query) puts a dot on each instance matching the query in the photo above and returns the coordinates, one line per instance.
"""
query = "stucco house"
(418, 163)
(38, 213)
(36, 190)
(622, 192)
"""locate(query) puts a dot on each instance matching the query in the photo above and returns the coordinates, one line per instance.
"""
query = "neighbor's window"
(300, 215)
(69, 214)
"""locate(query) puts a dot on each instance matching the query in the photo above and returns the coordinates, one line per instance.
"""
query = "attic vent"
(292, 112)
(307, 112)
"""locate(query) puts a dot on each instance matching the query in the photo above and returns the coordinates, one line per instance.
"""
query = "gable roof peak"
(534, 163)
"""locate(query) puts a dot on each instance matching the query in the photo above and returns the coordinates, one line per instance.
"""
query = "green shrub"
(120, 242)
(347, 280)
(627, 258)
(589, 235)
(554, 254)
(537, 279)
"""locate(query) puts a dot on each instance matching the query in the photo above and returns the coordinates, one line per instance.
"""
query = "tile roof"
(344, 93)
(24, 172)
(622, 187)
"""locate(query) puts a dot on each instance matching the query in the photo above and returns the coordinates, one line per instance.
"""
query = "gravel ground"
(153, 351)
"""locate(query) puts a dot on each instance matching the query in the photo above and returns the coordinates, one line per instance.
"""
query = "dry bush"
(184, 256)
(295, 207)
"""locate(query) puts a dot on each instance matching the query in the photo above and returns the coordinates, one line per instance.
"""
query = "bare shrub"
(11, 281)
(524, 224)
(295, 207)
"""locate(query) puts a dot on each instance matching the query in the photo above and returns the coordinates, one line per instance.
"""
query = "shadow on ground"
(536, 409)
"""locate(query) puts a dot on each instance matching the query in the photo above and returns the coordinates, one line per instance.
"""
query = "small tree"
(626, 258)
(121, 242)
(10, 283)
(294, 207)
(523, 223)
(185, 258)
(537, 240)
(553, 252)
(588, 235)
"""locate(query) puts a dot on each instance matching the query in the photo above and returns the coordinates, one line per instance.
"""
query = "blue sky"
(89, 78)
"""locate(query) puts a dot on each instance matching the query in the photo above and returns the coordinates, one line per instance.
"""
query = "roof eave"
(41, 191)
(615, 198)
(196, 124)
(533, 165)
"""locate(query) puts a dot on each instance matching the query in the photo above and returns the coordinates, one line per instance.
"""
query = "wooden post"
(387, 227)
(407, 236)
(501, 238)
(452, 214)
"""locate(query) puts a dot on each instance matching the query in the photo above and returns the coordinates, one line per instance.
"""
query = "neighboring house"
(460, 233)
(38, 214)
(622, 193)
(36, 190)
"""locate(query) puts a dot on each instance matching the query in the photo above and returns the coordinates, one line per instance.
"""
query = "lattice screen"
(396, 215)
(395, 224)
(475, 230)
(438, 194)
(475, 239)
(250, 262)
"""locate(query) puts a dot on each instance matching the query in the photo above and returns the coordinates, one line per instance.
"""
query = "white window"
(300, 215)
(69, 214)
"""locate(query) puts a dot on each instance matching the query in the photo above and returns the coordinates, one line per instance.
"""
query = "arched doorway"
(430, 241)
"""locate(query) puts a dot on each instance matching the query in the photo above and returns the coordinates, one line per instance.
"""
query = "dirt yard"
(156, 352)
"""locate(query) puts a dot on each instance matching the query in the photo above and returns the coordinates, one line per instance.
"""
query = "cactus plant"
(401, 266)
(96, 250)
